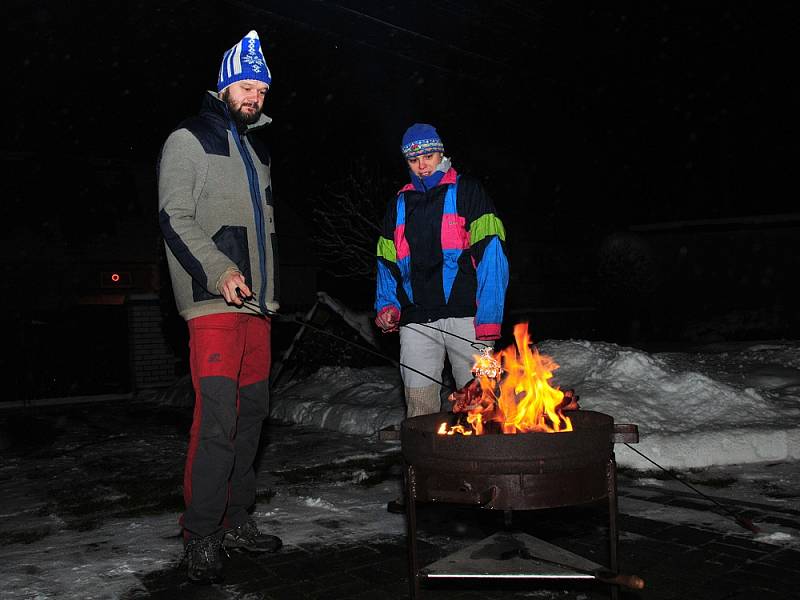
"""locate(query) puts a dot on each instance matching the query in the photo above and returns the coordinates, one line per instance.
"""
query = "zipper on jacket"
(255, 198)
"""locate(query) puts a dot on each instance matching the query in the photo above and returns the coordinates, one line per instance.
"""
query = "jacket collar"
(213, 103)
(448, 178)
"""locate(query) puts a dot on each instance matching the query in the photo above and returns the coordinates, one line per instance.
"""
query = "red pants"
(230, 362)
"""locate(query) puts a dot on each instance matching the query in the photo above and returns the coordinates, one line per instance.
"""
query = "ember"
(511, 393)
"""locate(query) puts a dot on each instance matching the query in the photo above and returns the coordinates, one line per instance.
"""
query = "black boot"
(247, 537)
(203, 557)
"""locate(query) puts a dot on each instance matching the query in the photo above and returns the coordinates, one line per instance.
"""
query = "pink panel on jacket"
(449, 177)
(400, 242)
(454, 233)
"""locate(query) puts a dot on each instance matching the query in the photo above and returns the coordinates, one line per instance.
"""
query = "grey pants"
(424, 349)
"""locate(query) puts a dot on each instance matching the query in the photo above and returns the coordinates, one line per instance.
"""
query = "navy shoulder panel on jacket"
(212, 136)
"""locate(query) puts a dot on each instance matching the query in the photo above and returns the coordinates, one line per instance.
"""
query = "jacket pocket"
(231, 240)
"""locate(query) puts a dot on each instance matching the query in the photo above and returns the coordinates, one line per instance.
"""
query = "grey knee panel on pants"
(423, 400)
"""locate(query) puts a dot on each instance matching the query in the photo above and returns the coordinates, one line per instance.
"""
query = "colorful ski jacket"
(216, 210)
(442, 254)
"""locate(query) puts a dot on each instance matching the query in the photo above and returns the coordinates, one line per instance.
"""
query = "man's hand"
(227, 285)
(388, 319)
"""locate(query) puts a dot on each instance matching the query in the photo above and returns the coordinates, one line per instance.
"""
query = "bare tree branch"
(348, 219)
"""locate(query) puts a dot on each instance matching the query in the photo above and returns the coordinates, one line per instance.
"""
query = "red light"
(116, 280)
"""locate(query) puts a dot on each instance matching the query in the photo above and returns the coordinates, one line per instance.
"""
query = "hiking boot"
(247, 537)
(203, 557)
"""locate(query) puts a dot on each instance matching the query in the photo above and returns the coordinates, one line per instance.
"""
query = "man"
(441, 268)
(216, 216)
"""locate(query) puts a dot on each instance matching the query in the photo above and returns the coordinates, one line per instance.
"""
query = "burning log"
(570, 401)
(471, 397)
(468, 398)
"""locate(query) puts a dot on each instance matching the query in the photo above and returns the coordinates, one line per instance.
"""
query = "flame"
(523, 400)
(445, 430)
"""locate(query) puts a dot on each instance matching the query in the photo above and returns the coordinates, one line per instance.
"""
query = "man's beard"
(242, 118)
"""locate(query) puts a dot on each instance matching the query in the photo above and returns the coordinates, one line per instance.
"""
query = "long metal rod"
(610, 577)
(275, 375)
(475, 344)
(250, 306)
(739, 519)
(472, 343)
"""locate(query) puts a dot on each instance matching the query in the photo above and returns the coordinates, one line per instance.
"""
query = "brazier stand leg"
(613, 535)
(411, 530)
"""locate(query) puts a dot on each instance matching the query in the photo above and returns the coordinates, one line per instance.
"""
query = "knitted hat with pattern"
(420, 139)
(244, 61)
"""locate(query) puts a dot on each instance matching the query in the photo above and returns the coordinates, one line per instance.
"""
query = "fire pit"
(510, 472)
(525, 471)
(514, 442)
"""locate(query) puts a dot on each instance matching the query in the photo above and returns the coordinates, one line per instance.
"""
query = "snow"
(359, 401)
(723, 405)
(726, 412)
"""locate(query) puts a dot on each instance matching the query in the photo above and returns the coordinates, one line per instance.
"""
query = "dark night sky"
(664, 110)
(582, 120)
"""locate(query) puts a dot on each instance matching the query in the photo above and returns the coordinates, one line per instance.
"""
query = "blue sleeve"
(386, 288)
(388, 274)
(492, 273)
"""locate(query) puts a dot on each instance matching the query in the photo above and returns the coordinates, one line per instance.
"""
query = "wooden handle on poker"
(633, 582)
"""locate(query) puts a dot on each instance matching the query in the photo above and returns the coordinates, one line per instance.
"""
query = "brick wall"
(152, 359)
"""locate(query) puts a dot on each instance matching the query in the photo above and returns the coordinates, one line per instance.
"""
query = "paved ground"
(676, 561)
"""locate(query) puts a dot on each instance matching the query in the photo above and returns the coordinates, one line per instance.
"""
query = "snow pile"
(726, 405)
(693, 410)
(349, 400)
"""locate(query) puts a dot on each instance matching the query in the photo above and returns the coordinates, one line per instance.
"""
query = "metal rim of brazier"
(591, 440)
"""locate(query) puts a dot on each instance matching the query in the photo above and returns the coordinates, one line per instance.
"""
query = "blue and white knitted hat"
(420, 139)
(244, 61)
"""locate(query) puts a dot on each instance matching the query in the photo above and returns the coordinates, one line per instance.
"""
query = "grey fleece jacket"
(216, 211)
